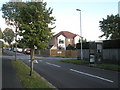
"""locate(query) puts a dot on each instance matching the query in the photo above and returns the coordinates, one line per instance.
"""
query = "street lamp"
(80, 34)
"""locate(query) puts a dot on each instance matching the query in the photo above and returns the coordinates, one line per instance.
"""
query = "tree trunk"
(16, 51)
(31, 61)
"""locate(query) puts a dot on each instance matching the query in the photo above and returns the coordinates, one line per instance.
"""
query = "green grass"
(109, 66)
(59, 57)
(37, 55)
(38, 59)
(34, 81)
(7, 53)
(84, 62)
(75, 61)
(63, 57)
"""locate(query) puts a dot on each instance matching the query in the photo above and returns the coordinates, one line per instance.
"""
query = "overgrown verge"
(75, 61)
(109, 66)
(34, 81)
(114, 67)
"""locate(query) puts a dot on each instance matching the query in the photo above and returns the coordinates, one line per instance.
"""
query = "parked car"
(27, 51)
(19, 50)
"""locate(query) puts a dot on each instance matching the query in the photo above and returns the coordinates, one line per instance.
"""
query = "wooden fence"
(108, 55)
(66, 53)
(45, 52)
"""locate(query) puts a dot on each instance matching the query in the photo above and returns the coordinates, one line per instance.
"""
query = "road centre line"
(92, 75)
(53, 64)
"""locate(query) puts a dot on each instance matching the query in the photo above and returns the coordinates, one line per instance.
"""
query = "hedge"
(85, 45)
(107, 44)
(111, 44)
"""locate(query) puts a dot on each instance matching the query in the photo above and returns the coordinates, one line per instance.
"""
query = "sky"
(68, 19)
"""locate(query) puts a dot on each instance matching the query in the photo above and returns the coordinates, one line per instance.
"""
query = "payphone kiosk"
(92, 52)
(95, 52)
(99, 51)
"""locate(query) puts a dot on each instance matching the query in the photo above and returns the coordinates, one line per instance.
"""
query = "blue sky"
(68, 19)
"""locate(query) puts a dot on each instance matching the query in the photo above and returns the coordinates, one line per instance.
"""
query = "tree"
(10, 12)
(1, 43)
(34, 26)
(110, 27)
(8, 36)
(70, 47)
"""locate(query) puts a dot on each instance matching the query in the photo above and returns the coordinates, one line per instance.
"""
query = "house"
(62, 39)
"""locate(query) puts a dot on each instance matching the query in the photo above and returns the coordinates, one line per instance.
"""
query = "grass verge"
(38, 59)
(7, 53)
(75, 61)
(63, 57)
(84, 62)
(34, 81)
(109, 66)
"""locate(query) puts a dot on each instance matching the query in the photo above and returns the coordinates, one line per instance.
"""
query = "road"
(65, 75)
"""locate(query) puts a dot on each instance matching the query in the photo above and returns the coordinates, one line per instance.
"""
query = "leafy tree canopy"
(110, 27)
(35, 21)
(10, 12)
(8, 35)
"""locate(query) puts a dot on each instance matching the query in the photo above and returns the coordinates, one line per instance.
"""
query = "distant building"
(62, 39)
(119, 8)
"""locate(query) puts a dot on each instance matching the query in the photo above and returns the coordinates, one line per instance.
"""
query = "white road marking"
(92, 75)
(53, 64)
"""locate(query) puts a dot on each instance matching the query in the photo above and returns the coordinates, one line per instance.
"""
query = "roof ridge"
(66, 34)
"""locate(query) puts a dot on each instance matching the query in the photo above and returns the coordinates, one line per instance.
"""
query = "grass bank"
(63, 57)
(75, 61)
(109, 66)
(34, 81)
(38, 59)
(84, 62)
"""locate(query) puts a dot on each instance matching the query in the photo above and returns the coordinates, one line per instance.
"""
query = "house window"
(68, 40)
(61, 41)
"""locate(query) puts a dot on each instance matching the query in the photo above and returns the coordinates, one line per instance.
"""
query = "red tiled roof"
(66, 34)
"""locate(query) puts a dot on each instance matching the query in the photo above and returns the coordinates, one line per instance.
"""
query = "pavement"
(9, 78)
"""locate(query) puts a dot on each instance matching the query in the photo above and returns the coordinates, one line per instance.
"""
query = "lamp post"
(80, 34)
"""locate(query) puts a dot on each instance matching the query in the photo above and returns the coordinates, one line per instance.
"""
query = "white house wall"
(76, 39)
(61, 44)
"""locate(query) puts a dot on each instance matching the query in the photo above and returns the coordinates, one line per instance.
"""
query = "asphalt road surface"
(65, 75)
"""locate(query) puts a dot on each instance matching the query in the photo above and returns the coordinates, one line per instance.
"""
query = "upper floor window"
(61, 41)
(68, 40)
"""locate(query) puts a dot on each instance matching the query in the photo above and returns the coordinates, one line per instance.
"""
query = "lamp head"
(78, 9)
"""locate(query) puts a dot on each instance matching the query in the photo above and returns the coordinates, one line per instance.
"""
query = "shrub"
(70, 47)
(111, 44)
